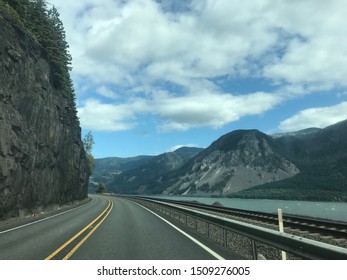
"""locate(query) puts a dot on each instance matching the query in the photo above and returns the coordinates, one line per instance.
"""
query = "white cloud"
(138, 34)
(99, 116)
(315, 53)
(141, 45)
(106, 92)
(178, 113)
(174, 148)
(206, 109)
(315, 117)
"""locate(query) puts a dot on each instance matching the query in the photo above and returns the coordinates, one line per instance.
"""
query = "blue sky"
(151, 76)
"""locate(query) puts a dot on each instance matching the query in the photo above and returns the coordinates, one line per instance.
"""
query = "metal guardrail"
(299, 246)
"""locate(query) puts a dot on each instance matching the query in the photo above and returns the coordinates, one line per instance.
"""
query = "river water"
(336, 211)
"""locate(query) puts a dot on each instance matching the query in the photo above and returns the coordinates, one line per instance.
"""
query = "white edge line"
(213, 253)
(44, 219)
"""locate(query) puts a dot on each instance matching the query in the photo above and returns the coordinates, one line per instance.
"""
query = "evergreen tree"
(100, 188)
(47, 29)
(88, 142)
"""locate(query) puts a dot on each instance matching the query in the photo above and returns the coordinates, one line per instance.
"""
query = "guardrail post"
(254, 250)
(281, 228)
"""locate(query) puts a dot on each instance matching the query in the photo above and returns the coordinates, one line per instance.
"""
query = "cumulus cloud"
(143, 45)
(174, 148)
(178, 113)
(106, 92)
(98, 116)
(139, 36)
(209, 109)
(315, 117)
(314, 53)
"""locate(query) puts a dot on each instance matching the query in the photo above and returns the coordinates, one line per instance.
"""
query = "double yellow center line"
(88, 230)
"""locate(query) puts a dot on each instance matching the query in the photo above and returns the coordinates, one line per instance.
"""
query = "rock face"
(237, 161)
(42, 160)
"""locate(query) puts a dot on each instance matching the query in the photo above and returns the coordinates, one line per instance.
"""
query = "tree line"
(42, 21)
(318, 181)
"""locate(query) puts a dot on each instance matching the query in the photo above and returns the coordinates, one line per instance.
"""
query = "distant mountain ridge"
(322, 160)
(298, 133)
(122, 174)
(117, 164)
(310, 164)
(236, 161)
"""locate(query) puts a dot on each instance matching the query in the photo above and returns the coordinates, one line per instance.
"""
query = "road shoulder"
(38, 214)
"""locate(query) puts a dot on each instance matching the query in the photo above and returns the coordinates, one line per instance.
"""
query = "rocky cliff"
(237, 161)
(42, 160)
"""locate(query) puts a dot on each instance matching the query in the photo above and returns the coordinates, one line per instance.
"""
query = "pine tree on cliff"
(88, 142)
(46, 27)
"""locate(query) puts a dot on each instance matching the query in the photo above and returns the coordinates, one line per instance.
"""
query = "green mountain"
(310, 164)
(236, 161)
(107, 168)
(322, 160)
(104, 167)
(130, 174)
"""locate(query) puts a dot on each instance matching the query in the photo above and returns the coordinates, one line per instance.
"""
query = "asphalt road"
(108, 228)
(35, 241)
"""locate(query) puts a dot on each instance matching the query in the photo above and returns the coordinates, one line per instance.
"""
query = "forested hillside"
(321, 157)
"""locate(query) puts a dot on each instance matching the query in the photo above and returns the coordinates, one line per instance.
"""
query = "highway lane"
(131, 232)
(35, 241)
(121, 229)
